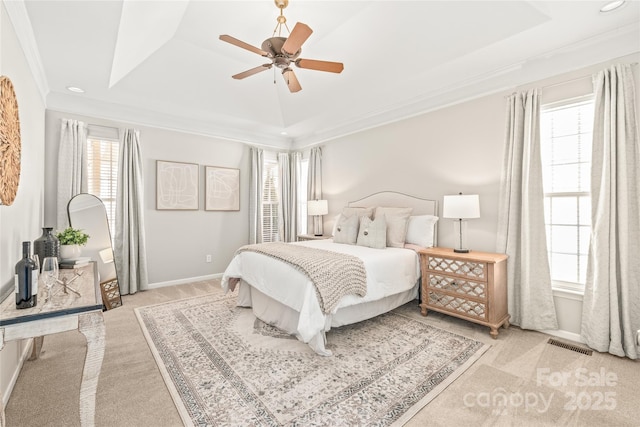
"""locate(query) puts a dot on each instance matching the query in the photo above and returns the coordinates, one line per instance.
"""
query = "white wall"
(22, 221)
(451, 150)
(177, 241)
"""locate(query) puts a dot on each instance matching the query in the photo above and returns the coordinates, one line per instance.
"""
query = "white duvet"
(389, 271)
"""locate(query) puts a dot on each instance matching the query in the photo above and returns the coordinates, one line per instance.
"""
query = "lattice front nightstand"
(471, 286)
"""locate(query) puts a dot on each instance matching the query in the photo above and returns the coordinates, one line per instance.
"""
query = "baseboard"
(565, 334)
(6, 394)
(183, 281)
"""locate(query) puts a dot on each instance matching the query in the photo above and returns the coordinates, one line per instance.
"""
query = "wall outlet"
(208, 258)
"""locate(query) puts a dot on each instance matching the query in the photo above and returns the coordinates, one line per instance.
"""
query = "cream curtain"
(255, 196)
(72, 166)
(611, 306)
(314, 184)
(521, 231)
(130, 247)
(288, 172)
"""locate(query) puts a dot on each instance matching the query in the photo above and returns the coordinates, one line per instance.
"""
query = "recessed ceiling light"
(612, 5)
(75, 89)
(283, 132)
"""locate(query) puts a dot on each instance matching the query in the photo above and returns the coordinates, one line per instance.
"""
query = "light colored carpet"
(131, 391)
(225, 367)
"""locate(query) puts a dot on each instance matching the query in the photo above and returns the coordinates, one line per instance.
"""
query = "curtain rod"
(569, 81)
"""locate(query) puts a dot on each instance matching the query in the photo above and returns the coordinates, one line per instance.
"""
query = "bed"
(285, 297)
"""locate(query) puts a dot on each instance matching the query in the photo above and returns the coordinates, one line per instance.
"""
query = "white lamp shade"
(317, 207)
(461, 206)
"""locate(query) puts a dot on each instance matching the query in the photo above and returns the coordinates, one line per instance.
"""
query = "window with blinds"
(566, 139)
(102, 165)
(270, 231)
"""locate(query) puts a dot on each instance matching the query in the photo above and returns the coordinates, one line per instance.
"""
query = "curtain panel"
(130, 247)
(255, 196)
(521, 229)
(314, 185)
(72, 166)
(611, 306)
(288, 172)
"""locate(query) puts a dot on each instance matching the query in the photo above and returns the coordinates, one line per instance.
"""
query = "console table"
(81, 309)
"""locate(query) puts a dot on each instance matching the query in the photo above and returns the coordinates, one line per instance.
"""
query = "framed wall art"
(222, 189)
(177, 186)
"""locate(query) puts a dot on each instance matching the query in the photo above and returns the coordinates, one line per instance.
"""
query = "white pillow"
(397, 219)
(420, 230)
(346, 230)
(372, 234)
(335, 224)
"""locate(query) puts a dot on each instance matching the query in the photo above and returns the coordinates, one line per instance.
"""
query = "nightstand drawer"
(453, 304)
(472, 270)
(458, 285)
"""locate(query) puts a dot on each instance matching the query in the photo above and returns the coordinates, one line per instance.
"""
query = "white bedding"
(390, 271)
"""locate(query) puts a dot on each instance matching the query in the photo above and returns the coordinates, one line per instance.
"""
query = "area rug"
(223, 366)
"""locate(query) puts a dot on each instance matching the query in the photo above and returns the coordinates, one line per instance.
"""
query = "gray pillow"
(358, 211)
(397, 220)
(346, 230)
(372, 233)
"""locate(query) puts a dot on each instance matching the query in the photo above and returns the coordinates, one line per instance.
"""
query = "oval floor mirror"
(87, 212)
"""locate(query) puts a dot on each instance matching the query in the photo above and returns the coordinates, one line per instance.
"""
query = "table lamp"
(461, 207)
(317, 208)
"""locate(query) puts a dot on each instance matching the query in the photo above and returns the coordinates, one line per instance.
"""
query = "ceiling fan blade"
(292, 80)
(252, 71)
(299, 35)
(312, 64)
(234, 41)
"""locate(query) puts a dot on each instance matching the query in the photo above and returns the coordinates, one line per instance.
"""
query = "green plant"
(72, 236)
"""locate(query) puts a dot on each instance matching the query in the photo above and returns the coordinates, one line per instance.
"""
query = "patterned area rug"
(225, 367)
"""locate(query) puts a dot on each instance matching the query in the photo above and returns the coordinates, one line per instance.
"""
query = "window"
(102, 165)
(270, 232)
(566, 139)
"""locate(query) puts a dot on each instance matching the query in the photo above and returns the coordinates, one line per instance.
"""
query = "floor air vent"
(570, 346)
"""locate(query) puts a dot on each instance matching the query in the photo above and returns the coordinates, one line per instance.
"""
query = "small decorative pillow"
(397, 219)
(372, 234)
(358, 212)
(420, 230)
(346, 230)
(335, 224)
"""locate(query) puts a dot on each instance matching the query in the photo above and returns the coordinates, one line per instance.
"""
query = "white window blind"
(102, 165)
(270, 202)
(566, 139)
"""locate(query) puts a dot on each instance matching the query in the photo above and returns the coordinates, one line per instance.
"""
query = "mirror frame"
(111, 297)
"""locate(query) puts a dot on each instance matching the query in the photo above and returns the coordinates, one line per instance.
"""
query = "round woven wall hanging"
(9, 142)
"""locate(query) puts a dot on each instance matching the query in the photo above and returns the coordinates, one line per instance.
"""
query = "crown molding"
(19, 17)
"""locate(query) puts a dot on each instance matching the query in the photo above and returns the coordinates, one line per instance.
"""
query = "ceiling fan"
(284, 51)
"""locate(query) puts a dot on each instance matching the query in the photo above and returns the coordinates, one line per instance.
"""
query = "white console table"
(67, 311)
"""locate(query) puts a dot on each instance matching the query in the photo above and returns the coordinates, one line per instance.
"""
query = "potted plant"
(70, 241)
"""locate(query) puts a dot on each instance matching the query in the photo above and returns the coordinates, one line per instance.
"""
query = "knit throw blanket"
(333, 274)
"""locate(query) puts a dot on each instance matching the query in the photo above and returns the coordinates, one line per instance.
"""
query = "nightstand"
(471, 286)
(302, 237)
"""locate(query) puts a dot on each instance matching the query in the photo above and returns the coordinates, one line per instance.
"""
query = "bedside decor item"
(222, 189)
(70, 241)
(47, 245)
(317, 208)
(177, 186)
(10, 144)
(461, 207)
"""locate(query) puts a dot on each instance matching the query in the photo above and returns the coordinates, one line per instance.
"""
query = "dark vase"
(47, 245)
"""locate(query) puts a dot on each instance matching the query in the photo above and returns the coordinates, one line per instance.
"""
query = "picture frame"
(177, 185)
(222, 188)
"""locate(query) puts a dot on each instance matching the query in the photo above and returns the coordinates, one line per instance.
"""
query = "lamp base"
(462, 251)
(318, 235)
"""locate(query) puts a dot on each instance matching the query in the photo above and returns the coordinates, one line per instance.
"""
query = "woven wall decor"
(9, 142)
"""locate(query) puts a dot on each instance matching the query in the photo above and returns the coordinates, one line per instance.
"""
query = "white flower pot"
(70, 251)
